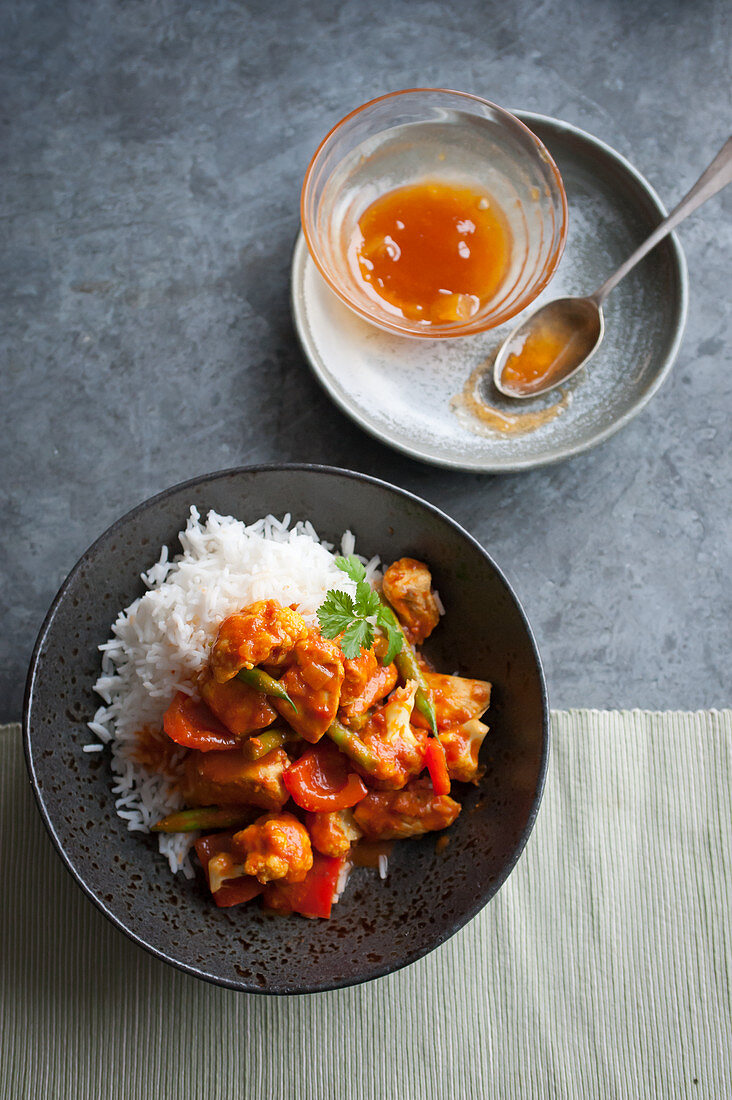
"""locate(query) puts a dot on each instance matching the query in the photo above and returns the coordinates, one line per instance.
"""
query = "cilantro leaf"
(395, 639)
(336, 613)
(352, 567)
(360, 634)
(367, 601)
(352, 617)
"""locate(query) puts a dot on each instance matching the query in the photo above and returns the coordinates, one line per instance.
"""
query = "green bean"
(426, 709)
(264, 742)
(204, 817)
(260, 681)
(406, 662)
(352, 745)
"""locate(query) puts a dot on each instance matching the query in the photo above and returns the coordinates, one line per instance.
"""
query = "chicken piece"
(262, 633)
(456, 699)
(366, 681)
(313, 681)
(462, 746)
(398, 746)
(276, 846)
(395, 815)
(228, 779)
(357, 673)
(333, 833)
(407, 586)
(241, 709)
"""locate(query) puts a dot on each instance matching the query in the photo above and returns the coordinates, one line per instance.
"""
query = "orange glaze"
(434, 251)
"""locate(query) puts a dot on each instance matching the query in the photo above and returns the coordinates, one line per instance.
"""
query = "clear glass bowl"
(432, 133)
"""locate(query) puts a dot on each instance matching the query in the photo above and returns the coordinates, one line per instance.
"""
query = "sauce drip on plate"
(436, 252)
(483, 418)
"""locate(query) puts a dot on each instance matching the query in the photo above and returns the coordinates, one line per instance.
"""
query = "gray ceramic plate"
(378, 926)
(403, 390)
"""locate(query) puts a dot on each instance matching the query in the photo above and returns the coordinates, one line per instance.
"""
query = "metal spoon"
(571, 329)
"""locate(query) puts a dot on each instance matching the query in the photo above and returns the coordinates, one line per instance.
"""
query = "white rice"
(161, 642)
(343, 876)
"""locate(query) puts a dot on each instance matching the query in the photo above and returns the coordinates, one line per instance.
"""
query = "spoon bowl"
(549, 347)
(558, 339)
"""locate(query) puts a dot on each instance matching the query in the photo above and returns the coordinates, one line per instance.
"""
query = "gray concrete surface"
(151, 158)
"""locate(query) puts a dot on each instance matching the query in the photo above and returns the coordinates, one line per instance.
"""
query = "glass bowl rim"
(467, 328)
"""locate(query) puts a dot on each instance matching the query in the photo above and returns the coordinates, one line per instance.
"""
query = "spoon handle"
(717, 176)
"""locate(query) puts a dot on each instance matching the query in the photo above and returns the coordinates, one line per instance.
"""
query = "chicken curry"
(300, 745)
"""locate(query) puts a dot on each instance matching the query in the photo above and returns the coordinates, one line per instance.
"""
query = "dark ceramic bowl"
(378, 926)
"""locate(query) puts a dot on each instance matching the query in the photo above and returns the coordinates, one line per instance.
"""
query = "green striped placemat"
(603, 968)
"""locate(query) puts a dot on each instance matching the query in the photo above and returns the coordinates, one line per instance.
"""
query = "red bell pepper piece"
(212, 845)
(313, 897)
(436, 762)
(189, 722)
(320, 781)
(236, 891)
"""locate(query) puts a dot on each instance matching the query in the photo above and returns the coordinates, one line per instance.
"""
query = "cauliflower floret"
(398, 746)
(333, 833)
(275, 847)
(462, 746)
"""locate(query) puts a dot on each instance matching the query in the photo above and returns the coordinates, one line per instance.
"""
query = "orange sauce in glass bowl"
(435, 251)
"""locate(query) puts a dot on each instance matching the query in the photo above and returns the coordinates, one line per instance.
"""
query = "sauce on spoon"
(548, 348)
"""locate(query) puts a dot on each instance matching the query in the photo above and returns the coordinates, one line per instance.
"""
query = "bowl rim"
(520, 464)
(33, 677)
(467, 329)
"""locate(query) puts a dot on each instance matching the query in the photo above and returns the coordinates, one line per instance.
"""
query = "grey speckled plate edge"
(352, 410)
(56, 829)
